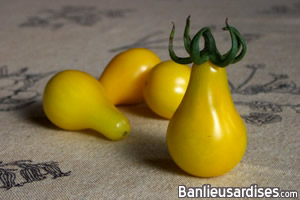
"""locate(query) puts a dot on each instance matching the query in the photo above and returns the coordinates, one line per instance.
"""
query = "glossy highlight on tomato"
(165, 87)
(124, 77)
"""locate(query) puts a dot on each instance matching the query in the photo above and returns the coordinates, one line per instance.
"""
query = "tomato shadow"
(166, 165)
(140, 110)
(92, 133)
(34, 114)
(150, 151)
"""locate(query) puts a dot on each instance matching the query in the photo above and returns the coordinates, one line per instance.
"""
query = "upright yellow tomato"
(206, 136)
(124, 77)
(165, 87)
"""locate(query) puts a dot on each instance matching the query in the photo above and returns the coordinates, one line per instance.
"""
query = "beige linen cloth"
(40, 38)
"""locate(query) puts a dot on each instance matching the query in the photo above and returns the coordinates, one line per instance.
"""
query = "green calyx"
(210, 51)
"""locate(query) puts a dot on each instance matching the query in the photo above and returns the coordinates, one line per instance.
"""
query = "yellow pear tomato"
(206, 136)
(75, 100)
(125, 75)
(165, 87)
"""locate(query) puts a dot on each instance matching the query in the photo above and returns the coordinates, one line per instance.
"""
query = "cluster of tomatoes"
(75, 100)
(138, 74)
(206, 136)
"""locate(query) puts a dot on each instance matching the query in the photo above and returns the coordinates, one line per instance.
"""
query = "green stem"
(187, 39)
(198, 57)
(173, 56)
(230, 55)
(210, 51)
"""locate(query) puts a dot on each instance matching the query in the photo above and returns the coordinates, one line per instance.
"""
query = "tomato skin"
(75, 100)
(124, 77)
(165, 87)
(206, 136)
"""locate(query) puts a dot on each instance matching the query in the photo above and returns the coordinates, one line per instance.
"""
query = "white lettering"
(191, 193)
(181, 191)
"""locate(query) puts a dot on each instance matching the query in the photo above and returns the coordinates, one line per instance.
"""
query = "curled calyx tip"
(209, 51)
(172, 34)
(188, 18)
(173, 25)
(226, 24)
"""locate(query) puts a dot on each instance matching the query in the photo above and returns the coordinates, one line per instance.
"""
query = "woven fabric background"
(40, 38)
